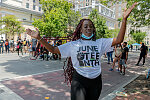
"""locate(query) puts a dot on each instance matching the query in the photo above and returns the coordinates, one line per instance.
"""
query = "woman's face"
(87, 28)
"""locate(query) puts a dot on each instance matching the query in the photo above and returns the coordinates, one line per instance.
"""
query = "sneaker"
(118, 70)
(137, 64)
(123, 73)
(108, 63)
(110, 69)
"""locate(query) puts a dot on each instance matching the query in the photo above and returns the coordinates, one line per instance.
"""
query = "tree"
(138, 36)
(100, 25)
(114, 32)
(56, 18)
(140, 16)
(12, 26)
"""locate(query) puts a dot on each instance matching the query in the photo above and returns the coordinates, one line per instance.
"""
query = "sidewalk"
(51, 83)
(137, 70)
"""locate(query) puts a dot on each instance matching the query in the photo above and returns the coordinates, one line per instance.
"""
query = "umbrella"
(136, 44)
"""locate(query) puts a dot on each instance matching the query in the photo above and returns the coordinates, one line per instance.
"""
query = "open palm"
(32, 33)
(128, 11)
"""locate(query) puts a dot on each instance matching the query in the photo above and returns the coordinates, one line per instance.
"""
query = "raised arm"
(121, 34)
(36, 34)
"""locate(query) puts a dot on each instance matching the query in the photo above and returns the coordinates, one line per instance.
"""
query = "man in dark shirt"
(1, 45)
(143, 53)
(124, 58)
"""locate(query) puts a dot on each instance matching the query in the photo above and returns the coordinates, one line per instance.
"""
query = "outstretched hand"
(34, 34)
(128, 11)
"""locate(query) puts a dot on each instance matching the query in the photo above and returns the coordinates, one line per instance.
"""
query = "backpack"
(6, 43)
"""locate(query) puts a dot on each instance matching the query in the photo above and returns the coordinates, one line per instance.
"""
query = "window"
(102, 10)
(39, 8)
(82, 14)
(119, 8)
(34, 1)
(119, 14)
(120, 2)
(107, 12)
(27, 5)
(114, 9)
(34, 7)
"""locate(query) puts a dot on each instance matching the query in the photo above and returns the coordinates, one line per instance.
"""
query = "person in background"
(6, 46)
(11, 44)
(1, 45)
(59, 42)
(25, 45)
(124, 58)
(143, 54)
(33, 46)
(109, 55)
(19, 46)
(118, 54)
(131, 46)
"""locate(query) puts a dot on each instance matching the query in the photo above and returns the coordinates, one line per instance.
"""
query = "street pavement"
(25, 79)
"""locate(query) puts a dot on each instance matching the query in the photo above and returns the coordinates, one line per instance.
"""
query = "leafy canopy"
(140, 16)
(100, 25)
(12, 25)
(56, 18)
(138, 36)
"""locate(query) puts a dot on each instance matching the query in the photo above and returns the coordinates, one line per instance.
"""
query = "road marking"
(30, 75)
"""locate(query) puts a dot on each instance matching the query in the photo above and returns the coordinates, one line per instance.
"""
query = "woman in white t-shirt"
(83, 69)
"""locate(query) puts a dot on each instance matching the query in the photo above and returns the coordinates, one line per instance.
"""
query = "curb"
(113, 94)
(7, 94)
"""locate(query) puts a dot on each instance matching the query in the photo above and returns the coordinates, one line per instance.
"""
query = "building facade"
(104, 11)
(24, 10)
(118, 10)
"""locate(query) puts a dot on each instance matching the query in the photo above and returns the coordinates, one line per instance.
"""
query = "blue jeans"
(109, 55)
(1, 49)
(7, 48)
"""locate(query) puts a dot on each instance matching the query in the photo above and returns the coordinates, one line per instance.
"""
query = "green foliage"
(140, 16)
(131, 41)
(114, 32)
(139, 36)
(57, 17)
(100, 25)
(12, 26)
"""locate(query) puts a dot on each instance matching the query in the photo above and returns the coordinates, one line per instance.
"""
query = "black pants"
(142, 56)
(83, 88)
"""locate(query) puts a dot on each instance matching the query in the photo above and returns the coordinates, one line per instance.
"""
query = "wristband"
(40, 39)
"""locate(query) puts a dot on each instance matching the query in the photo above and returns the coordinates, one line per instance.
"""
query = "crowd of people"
(32, 46)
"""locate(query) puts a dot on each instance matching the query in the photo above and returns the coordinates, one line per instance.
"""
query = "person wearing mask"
(118, 54)
(84, 52)
(124, 58)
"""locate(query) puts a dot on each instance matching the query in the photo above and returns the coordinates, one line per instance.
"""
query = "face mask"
(86, 37)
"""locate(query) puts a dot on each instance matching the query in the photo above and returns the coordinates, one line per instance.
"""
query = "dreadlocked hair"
(68, 68)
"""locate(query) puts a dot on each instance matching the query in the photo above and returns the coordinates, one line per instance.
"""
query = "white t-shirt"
(86, 55)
